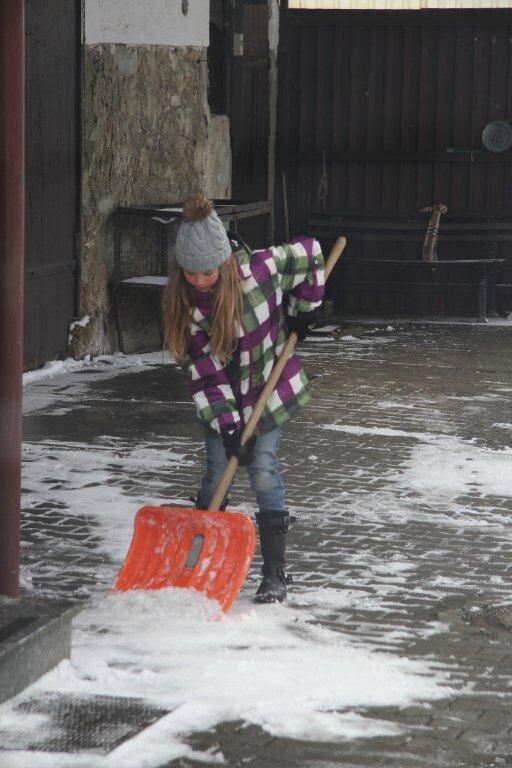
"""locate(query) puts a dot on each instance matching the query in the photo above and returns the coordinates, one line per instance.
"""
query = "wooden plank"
(433, 18)
(291, 155)
(325, 90)
(481, 57)
(477, 219)
(498, 107)
(375, 109)
(461, 105)
(443, 113)
(404, 285)
(418, 264)
(468, 229)
(358, 115)
(392, 95)
(404, 237)
(341, 84)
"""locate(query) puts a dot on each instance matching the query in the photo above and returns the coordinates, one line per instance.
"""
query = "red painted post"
(12, 226)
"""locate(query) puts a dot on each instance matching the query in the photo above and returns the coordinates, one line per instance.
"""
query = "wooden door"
(52, 29)
(382, 112)
(249, 112)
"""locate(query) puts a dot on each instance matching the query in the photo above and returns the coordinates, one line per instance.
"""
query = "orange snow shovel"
(205, 549)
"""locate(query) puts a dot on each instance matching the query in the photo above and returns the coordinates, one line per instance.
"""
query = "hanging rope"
(323, 187)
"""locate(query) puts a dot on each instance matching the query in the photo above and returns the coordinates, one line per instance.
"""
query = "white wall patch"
(153, 22)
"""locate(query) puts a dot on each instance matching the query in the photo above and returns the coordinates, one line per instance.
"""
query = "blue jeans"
(263, 471)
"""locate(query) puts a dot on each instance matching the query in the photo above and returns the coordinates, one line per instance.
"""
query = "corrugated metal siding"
(384, 96)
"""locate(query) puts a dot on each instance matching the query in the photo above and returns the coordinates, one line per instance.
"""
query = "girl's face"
(202, 281)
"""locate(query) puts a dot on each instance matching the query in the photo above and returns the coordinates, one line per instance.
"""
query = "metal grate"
(80, 723)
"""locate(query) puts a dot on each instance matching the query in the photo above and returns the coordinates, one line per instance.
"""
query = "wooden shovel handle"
(286, 353)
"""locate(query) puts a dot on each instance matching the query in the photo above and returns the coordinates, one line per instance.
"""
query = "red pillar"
(12, 225)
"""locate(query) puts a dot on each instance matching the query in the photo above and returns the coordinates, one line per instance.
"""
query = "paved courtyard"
(400, 476)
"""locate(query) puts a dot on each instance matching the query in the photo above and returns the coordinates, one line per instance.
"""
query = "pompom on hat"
(202, 242)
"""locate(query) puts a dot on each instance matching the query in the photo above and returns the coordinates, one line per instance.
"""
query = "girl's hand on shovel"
(298, 325)
(233, 446)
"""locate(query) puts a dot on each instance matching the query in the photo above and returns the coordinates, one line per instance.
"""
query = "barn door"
(52, 29)
(249, 111)
(382, 112)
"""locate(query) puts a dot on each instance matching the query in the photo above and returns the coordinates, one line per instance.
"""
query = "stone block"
(35, 635)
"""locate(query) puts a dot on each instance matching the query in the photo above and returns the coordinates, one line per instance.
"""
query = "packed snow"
(267, 665)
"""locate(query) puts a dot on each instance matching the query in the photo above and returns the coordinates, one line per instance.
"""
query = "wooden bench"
(383, 270)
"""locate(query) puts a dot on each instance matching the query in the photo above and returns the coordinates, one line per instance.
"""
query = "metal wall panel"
(376, 99)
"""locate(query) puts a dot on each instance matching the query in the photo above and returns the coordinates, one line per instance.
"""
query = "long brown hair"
(179, 304)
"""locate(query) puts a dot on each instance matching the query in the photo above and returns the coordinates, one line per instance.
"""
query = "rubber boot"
(273, 527)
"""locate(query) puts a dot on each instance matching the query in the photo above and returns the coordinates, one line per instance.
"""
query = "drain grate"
(80, 723)
(497, 617)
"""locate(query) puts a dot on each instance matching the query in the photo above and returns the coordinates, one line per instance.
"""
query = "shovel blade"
(183, 547)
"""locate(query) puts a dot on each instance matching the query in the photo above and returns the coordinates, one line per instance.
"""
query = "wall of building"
(151, 22)
(148, 137)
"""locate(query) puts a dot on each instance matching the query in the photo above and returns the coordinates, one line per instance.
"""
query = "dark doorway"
(53, 32)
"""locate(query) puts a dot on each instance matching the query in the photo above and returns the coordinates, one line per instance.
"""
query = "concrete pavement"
(398, 473)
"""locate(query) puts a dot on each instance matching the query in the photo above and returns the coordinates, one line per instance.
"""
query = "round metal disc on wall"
(497, 136)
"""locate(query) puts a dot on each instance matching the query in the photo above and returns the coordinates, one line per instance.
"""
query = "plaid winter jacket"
(224, 395)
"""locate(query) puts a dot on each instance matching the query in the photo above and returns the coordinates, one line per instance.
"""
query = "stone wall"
(148, 137)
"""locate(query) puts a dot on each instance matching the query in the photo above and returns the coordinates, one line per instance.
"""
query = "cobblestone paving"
(414, 558)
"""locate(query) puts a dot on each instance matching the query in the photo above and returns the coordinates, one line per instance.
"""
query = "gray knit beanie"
(202, 242)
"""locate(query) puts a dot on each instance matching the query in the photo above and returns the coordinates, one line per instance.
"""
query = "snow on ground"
(445, 466)
(267, 665)
(56, 368)
(441, 474)
(274, 666)
(71, 372)
(459, 468)
(91, 478)
(351, 429)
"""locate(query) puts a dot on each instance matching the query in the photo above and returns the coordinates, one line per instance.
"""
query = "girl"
(226, 316)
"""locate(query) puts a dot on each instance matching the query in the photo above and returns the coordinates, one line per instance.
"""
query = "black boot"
(273, 527)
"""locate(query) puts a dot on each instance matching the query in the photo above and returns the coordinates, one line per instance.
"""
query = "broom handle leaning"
(286, 353)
